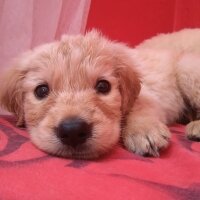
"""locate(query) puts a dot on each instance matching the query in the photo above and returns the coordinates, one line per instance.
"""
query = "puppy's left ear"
(11, 93)
(129, 82)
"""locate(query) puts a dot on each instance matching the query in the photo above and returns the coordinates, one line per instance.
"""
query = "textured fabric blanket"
(27, 173)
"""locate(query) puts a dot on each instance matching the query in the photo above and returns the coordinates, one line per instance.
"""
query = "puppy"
(79, 96)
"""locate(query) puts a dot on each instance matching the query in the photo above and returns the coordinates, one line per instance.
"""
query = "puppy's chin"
(93, 148)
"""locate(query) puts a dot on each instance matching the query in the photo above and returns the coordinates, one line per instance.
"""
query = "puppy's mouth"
(76, 138)
(79, 152)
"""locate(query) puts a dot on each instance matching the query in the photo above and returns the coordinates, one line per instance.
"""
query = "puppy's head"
(72, 94)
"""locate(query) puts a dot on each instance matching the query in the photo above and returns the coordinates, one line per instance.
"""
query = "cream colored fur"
(149, 85)
(169, 66)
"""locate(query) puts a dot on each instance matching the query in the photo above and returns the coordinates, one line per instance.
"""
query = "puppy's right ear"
(11, 93)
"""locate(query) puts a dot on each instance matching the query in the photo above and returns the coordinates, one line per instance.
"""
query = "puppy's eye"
(103, 86)
(41, 91)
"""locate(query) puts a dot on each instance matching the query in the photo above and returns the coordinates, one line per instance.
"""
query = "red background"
(132, 21)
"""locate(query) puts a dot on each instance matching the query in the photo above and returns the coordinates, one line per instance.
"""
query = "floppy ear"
(129, 87)
(129, 81)
(11, 93)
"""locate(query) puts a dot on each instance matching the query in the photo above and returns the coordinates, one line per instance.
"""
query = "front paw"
(193, 131)
(146, 140)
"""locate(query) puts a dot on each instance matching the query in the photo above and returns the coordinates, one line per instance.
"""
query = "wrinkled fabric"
(28, 173)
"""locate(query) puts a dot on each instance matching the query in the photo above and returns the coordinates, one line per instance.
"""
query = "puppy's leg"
(193, 130)
(189, 84)
(144, 133)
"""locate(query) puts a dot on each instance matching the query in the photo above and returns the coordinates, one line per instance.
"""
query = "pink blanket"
(27, 173)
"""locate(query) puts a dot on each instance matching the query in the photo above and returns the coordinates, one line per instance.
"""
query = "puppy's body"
(74, 94)
(169, 66)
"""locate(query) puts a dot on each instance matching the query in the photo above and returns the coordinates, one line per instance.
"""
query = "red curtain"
(132, 21)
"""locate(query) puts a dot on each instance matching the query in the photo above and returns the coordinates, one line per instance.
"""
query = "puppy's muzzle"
(74, 131)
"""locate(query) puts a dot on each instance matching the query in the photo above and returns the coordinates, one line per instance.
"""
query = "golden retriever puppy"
(79, 96)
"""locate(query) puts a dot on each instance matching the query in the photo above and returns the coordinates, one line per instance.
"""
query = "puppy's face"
(72, 94)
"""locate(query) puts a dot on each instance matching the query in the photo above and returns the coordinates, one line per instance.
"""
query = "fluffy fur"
(151, 86)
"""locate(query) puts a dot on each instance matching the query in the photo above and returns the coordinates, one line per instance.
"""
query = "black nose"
(73, 131)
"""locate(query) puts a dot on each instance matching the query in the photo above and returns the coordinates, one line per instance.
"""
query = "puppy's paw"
(147, 140)
(193, 131)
